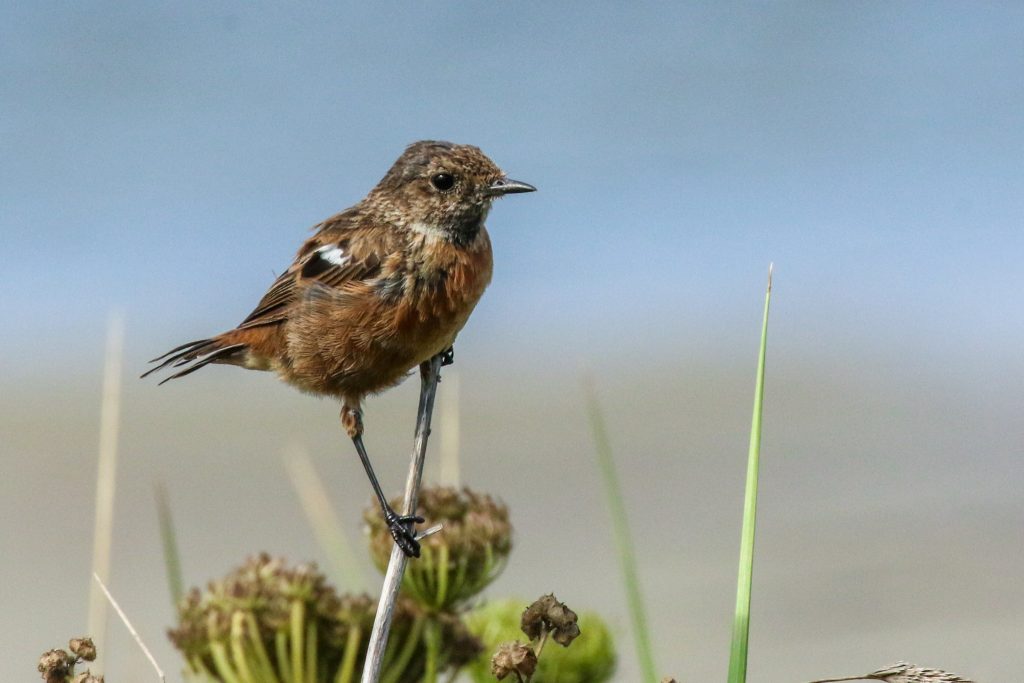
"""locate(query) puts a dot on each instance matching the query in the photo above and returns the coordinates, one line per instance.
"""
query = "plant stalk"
(430, 375)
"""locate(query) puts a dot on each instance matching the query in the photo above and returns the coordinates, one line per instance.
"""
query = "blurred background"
(162, 161)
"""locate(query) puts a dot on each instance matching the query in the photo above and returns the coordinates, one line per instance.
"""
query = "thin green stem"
(172, 558)
(298, 616)
(396, 667)
(281, 652)
(311, 646)
(222, 661)
(623, 539)
(432, 642)
(442, 577)
(260, 651)
(238, 653)
(348, 664)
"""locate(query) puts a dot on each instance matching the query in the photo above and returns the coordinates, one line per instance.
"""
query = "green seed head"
(250, 618)
(265, 620)
(459, 561)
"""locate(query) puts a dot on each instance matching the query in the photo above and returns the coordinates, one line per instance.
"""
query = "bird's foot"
(403, 530)
(448, 356)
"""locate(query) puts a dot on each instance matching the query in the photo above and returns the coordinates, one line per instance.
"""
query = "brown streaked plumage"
(378, 289)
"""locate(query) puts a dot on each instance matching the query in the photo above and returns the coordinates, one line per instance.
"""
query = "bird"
(377, 290)
(903, 672)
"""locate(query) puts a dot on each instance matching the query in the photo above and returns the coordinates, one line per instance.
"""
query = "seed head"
(257, 602)
(460, 561)
(591, 659)
(56, 666)
(83, 648)
(513, 657)
(548, 615)
(904, 672)
(259, 605)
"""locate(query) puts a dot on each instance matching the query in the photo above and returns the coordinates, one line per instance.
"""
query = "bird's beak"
(504, 186)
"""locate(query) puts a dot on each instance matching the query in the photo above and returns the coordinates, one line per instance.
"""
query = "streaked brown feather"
(411, 266)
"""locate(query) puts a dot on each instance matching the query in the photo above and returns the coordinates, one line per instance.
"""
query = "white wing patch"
(333, 254)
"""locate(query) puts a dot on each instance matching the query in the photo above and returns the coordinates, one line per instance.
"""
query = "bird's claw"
(403, 531)
(448, 356)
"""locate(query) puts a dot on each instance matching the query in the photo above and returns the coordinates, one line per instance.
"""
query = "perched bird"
(902, 672)
(378, 289)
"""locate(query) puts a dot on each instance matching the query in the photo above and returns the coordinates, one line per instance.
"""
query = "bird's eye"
(443, 181)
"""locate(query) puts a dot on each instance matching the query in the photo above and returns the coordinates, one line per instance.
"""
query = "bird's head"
(442, 188)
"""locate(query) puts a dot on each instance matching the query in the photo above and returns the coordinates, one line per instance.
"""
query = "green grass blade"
(172, 558)
(741, 622)
(623, 539)
(323, 520)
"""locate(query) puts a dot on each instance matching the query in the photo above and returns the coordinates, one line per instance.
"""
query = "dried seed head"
(86, 677)
(258, 602)
(904, 672)
(547, 614)
(462, 559)
(261, 597)
(513, 657)
(56, 666)
(591, 659)
(83, 648)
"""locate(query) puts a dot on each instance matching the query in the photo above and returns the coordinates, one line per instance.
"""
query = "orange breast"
(362, 341)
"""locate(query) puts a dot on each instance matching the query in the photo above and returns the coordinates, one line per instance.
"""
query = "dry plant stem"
(106, 476)
(430, 374)
(131, 629)
(542, 642)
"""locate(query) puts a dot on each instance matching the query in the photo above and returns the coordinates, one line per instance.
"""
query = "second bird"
(378, 289)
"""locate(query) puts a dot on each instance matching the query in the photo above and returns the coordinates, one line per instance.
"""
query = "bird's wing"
(340, 255)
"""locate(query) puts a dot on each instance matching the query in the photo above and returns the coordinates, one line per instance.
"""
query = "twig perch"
(430, 375)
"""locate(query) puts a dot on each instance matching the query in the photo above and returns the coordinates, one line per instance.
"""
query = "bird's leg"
(448, 356)
(401, 526)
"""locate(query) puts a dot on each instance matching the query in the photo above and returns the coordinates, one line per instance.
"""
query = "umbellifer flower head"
(459, 561)
(262, 602)
(260, 616)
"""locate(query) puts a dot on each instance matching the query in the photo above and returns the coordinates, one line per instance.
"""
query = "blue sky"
(175, 154)
(166, 159)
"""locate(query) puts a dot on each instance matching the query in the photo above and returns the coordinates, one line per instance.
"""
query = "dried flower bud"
(668, 679)
(546, 614)
(83, 648)
(87, 677)
(513, 657)
(56, 666)
(591, 659)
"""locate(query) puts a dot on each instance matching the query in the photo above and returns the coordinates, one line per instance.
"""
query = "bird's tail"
(196, 354)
